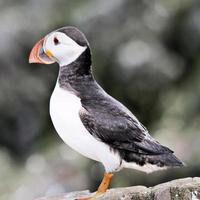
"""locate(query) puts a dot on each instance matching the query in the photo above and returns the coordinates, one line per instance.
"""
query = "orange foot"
(102, 188)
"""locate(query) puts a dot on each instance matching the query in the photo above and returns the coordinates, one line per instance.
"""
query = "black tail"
(168, 160)
(160, 160)
(148, 151)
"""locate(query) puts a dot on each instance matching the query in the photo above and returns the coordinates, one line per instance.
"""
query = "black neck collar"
(77, 76)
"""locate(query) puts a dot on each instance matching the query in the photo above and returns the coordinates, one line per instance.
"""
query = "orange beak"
(38, 55)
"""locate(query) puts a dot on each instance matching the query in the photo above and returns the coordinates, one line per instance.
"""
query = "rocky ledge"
(180, 189)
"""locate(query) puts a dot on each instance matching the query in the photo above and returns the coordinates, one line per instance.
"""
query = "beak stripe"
(48, 53)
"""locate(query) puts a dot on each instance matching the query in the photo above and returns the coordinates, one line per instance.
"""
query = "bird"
(91, 121)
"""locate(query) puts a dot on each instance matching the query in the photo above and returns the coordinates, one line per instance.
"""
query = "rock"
(68, 196)
(180, 189)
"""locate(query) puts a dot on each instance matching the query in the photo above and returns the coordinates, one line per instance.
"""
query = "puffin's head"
(64, 46)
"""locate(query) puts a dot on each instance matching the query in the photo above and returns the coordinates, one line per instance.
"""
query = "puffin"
(91, 121)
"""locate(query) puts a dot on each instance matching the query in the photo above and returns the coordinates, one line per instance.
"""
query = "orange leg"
(105, 183)
(102, 188)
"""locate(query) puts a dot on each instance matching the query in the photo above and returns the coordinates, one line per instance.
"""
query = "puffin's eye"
(56, 41)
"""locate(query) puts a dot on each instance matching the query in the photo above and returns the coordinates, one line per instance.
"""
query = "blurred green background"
(145, 53)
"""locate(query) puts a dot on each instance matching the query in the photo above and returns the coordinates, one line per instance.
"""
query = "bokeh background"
(145, 53)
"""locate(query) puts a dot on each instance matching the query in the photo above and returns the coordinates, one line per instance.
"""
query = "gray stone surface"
(180, 189)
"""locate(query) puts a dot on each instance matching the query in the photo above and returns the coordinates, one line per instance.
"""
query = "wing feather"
(110, 122)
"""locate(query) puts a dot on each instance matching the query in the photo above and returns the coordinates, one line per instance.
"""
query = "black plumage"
(106, 118)
(109, 121)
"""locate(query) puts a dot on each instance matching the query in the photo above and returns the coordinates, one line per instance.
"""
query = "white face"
(63, 49)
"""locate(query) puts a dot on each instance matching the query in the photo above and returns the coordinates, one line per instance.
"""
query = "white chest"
(64, 111)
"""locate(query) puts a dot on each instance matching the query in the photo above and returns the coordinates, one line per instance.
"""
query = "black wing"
(112, 123)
